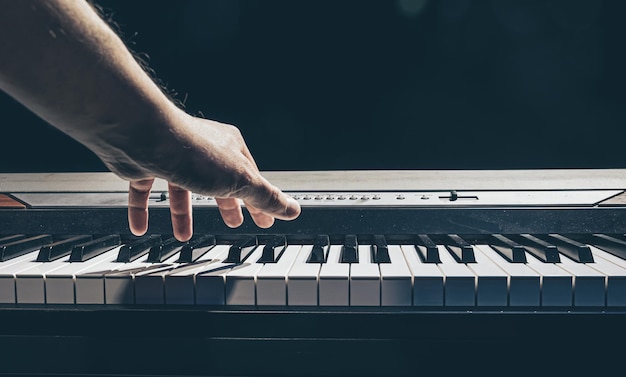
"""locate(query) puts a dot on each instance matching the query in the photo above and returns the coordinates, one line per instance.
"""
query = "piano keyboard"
(425, 271)
(384, 273)
(537, 241)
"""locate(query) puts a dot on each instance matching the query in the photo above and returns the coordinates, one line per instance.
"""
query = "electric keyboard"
(391, 259)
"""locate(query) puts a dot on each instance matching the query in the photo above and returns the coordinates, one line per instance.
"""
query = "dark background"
(354, 84)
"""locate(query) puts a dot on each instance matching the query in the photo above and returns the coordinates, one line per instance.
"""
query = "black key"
(137, 248)
(320, 249)
(159, 253)
(61, 248)
(14, 237)
(620, 237)
(241, 249)
(541, 249)
(427, 249)
(196, 248)
(22, 246)
(508, 249)
(575, 250)
(460, 250)
(349, 250)
(610, 244)
(88, 250)
(380, 252)
(273, 250)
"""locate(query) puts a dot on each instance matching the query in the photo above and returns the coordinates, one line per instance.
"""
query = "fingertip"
(183, 236)
(138, 195)
(232, 222)
(138, 221)
(230, 210)
(182, 225)
(137, 232)
(266, 224)
(293, 209)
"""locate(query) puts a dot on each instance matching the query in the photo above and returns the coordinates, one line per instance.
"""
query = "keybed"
(461, 271)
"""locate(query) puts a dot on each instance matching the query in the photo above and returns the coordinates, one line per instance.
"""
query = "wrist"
(129, 146)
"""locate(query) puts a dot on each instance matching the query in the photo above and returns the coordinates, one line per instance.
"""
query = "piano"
(385, 273)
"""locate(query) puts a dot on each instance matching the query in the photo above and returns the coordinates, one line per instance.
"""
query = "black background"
(354, 84)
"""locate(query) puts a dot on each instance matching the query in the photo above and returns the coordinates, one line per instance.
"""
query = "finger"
(181, 212)
(260, 218)
(268, 199)
(230, 209)
(138, 196)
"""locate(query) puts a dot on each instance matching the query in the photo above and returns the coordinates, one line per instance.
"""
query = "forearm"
(61, 60)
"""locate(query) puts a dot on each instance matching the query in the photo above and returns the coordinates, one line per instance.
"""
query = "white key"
(121, 285)
(364, 279)
(428, 280)
(524, 282)
(93, 285)
(395, 286)
(334, 283)
(89, 283)
(29, 280)
(589, 284)
(492, 286)
(60, 282)
(241, 280)
(118, 283)
(615, 270)
(557, 285)
(7, 275)
(460, 283)
(302, 280)
(211, 282)
(180, 283)
(149, 285)
(271, 280)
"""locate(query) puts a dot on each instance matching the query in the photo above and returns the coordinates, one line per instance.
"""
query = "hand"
(72, 70)
(205, 157)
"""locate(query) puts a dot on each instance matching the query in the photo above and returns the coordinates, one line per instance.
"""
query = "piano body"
(385, 273)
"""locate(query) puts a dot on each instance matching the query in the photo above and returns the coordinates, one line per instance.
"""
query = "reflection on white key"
(7, 275)
(60, 282)
(460, 284)
(589, 284)
(364, 279)
(428, 280)
(334, 283)
(395, 283)
(302, 280)
(271, 280)
(149, 285)
(492, 286)
(615, 270)
(211, 282)
(180, 282)
(524, 282)
(241, 280)
(89, 283)
(119, 284)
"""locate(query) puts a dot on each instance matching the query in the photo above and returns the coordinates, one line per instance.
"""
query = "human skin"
(63, 62)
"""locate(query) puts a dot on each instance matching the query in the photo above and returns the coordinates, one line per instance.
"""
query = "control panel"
(345, 199)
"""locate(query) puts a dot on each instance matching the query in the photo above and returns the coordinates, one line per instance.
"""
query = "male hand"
(205, 157)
